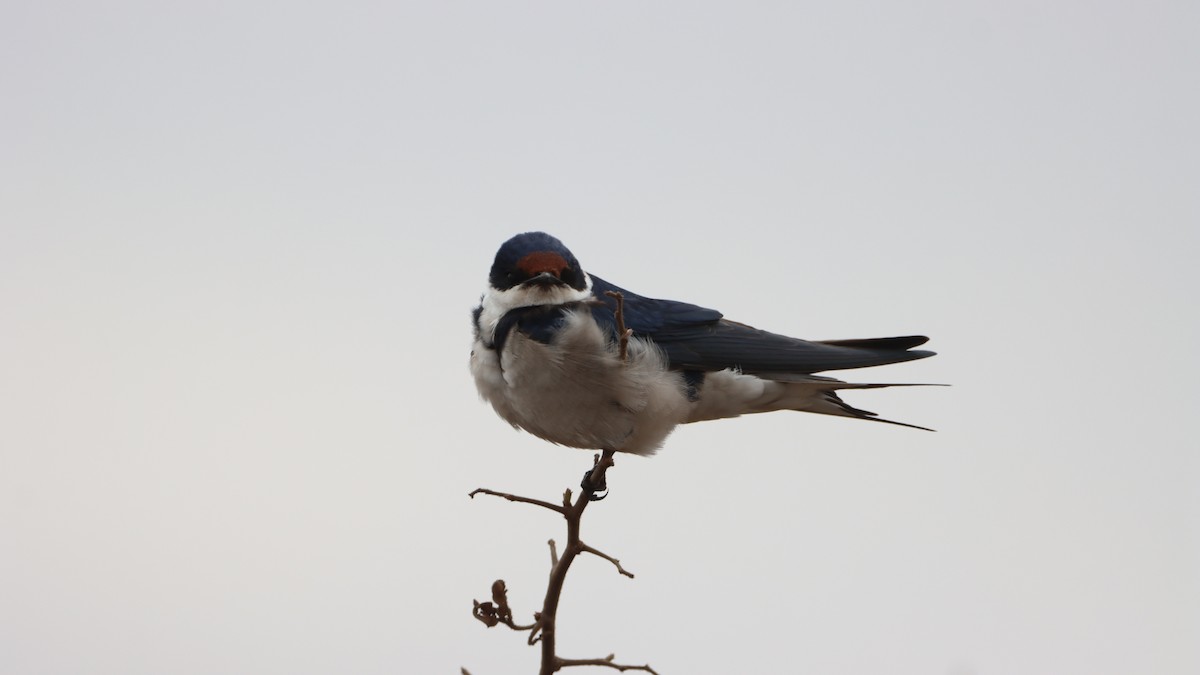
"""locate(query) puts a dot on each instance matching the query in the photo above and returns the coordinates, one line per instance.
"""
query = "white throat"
(497, 303)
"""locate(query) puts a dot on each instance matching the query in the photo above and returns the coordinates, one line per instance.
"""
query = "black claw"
(587, 485)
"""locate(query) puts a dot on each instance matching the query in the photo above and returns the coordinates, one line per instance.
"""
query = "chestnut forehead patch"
(542, 261)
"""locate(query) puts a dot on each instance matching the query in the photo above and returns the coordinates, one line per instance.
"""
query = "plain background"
(239, 243)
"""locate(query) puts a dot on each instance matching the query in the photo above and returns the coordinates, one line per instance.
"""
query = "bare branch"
(544, 628)
(584, 548)
(606, 662)
(518, 498)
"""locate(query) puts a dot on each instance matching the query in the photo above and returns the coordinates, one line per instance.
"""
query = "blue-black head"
(535, 259)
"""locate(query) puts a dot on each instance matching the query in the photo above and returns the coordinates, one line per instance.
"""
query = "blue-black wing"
(698, 339)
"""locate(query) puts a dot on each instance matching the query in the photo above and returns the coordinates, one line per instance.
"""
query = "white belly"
(577, 392)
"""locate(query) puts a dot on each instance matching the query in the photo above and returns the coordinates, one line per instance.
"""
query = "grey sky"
(239, 243)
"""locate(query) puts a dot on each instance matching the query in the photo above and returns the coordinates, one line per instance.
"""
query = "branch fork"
(544, 627)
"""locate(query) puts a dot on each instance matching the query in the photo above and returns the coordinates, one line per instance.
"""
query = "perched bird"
(547, 356)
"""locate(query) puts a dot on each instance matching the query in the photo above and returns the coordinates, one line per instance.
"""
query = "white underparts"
(576, 391)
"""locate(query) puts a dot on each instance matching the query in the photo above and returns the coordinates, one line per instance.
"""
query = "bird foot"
(594, 490)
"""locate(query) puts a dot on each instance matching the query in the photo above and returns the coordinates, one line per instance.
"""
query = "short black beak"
(545, 279)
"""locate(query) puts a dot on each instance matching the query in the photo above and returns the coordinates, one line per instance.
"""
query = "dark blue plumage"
(696, 338)
(548, 357)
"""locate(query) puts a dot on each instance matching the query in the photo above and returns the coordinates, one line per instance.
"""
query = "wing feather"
(695, 338)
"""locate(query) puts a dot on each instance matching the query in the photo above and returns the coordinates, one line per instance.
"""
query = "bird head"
(537, 262)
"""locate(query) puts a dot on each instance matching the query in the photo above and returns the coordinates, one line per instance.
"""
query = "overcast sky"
(239, 243)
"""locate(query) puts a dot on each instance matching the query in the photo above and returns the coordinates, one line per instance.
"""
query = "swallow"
(547, 357)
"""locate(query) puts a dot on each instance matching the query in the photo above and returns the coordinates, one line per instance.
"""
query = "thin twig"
(518, 498)
(623, 333)
(584, 548)
(606, 661)
(553, 554)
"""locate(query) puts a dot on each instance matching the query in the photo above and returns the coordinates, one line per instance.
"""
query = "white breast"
(576, 391)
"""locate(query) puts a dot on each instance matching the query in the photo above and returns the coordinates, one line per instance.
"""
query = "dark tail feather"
(900, 343)
(847, 410)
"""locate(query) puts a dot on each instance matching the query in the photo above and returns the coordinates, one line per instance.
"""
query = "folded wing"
(699, 339)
